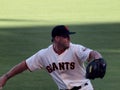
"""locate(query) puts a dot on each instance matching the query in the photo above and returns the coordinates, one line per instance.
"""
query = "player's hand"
(3, 80)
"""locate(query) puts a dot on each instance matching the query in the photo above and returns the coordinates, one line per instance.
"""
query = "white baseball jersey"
(66, 69)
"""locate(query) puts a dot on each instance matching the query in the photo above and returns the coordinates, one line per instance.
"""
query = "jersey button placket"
(61, 70)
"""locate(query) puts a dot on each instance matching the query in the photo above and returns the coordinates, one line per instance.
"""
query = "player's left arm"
(94, 55)
(96, 67)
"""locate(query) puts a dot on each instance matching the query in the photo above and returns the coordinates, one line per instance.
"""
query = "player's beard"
(65, 45)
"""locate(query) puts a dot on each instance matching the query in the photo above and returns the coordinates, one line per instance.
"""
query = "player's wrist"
(3, 80)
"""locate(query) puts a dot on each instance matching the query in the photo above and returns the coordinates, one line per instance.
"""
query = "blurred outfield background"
(25, 27)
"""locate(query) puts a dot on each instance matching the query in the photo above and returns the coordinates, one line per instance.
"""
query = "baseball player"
(63, 60)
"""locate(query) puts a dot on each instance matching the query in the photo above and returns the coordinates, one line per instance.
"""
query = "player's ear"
(54, 39)
(57, 38)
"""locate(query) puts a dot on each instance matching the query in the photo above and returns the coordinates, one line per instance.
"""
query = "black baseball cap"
(61, 30)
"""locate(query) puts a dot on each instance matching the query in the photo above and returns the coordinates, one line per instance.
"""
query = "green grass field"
(25, 27)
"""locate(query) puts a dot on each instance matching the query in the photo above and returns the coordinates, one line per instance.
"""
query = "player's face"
(63, 41)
